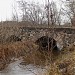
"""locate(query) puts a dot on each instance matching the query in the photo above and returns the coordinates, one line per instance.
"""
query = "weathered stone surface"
(13, 38)
(63, 36)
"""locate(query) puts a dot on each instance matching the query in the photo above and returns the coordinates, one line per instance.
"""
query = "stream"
(15, 68)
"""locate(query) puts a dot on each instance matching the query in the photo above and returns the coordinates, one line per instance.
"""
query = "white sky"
(6, 7)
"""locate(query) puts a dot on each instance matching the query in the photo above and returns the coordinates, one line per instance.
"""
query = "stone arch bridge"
(64, 36)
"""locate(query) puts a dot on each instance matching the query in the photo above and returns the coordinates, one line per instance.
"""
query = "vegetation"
(12, 44)
(63, 64)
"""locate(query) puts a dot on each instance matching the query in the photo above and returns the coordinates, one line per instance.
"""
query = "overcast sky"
(6, 7)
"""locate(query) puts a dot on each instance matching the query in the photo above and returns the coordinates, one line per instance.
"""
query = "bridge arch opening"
(42, 42)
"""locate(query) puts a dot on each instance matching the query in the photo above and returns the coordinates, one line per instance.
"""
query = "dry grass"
(36, 58)
(65, 64)
(14, 49)
(26, 49)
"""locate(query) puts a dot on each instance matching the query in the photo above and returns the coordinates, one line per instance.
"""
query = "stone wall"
(64, 36)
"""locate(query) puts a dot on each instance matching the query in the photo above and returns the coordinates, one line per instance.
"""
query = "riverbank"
(27, 50)
(15, 68)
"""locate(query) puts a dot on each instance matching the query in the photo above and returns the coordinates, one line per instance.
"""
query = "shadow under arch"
(42, 42)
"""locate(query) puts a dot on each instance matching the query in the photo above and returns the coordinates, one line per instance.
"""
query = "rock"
(13, 38)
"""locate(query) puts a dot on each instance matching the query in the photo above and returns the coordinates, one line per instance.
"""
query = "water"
(16, 69)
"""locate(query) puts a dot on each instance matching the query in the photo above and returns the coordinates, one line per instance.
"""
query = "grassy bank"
(62, 64)
(65, 64)
(25, 49)
(13, 50)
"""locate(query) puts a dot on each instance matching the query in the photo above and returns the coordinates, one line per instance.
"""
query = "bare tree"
(72, 11)
(14, 13)
(52, 14)
(69, 11)
(37, 13)
(31, 12)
